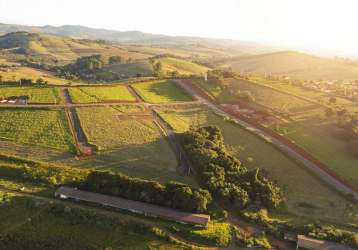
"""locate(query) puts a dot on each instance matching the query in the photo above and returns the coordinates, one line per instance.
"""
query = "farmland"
(316, 135)
(35, 94)
(100, 94)
(299, 186)
(161, 92)
(141, 68)
(306, 124)
(181, 66)
(129, 144)
(271, 98)
(47, 128)
(16, 73)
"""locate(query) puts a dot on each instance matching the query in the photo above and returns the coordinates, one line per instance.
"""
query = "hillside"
(56, 49)
(181, 66)
(294, 64)
(140, 68)
(186, 46)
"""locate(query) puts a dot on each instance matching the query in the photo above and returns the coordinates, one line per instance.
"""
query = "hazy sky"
(324, 24)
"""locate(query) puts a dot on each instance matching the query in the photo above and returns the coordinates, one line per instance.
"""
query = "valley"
(261, 147)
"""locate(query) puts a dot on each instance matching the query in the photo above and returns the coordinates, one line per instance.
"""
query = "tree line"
(224, 175)
(173, 194)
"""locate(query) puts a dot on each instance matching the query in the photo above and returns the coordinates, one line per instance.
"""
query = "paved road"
(329, 179)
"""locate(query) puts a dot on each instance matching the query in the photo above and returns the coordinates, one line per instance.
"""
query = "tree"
(332, 100)
(115, 59)
(329, 112)
(158, 67)
(40, 81)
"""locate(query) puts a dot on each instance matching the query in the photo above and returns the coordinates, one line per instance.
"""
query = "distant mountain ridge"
(83, 32)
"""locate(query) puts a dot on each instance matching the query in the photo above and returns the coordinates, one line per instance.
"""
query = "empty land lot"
(35, 94)
(42, 127)
(127, 143)
(300, 186)
(164, 91)
(100, 94)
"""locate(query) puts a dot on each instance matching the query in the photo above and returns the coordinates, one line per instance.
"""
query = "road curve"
(326, 177)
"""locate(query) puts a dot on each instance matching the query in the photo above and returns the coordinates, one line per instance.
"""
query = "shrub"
(223, 175)
(174, 195)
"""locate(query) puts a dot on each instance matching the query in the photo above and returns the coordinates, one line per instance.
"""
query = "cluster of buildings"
(345, 89)
(247, 112)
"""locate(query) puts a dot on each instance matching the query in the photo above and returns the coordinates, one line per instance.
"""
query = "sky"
(309, 24)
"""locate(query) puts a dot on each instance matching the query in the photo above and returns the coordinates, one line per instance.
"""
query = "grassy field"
(17, 73)
(271, 98)
(100, 94)
(41, 127)
(35, 94)
(316, 96)
(214, 90)
(183, 67)
(44, 225)
(161, 92)
(316, 135)
(293, 64)
(127, 70)
(127, 144)
(59, 50)
(299, 186)
(307, 126)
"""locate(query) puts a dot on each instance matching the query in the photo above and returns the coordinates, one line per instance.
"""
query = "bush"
(174, 195)
(223, 175)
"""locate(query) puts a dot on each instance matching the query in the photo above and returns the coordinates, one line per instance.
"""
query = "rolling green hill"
(56, 49)
(294, 64)
(140, 68)
(182, 66)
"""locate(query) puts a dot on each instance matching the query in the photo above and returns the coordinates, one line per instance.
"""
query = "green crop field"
(100, 94)
(161, 92)
(183, 67)
(47, 128)
(299, 185)
(127, 144)
(35, 94)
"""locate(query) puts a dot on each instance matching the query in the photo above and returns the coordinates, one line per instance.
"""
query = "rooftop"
(134, 206)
